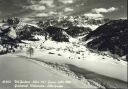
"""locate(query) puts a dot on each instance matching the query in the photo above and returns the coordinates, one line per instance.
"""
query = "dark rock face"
(112, 37)
(75, 31)
(7, 42)
(57, 34)
(27, 32)
(5, 38)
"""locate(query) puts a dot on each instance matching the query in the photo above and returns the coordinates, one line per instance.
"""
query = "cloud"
(97, 13)
(42, 15)
(52, 13)
(68, 9)
(112, 9)
(66, 1)
(93, 15)
(123, 18)
(36, 7)
(25, 19)
(39, 5)
(32, 1)
(45, 14)
(47, 2)
(104, 10)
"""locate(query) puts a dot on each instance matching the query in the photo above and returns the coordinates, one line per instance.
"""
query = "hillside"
(111, 37)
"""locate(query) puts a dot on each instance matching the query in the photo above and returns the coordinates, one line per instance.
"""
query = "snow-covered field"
(104, 71)
(23, 69)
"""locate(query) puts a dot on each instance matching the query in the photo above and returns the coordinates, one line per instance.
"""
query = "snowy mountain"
(57, 46)
(111, 37)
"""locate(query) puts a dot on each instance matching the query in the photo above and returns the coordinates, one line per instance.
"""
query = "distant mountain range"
(110, 36)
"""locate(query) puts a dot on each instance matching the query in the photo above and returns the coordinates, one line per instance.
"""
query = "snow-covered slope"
(23, 69)
(78, 55)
